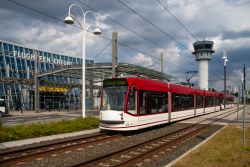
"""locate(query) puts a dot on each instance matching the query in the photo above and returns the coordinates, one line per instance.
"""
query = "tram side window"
(182, 102)
(176, 102)
(152, 102)
(199, 101)
(162, 103)
(230, 100)
(217, 101)
(156, 102)
(209, 101)
(188, 101)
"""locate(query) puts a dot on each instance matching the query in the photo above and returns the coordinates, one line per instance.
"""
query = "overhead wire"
(53, 17)
(178, 66)
(144, 18)
(40, 12)
(177, 20)
(113, 20)
(101, 51)
(180, 23)
(164, 32)
(90, 7)
(126, 27)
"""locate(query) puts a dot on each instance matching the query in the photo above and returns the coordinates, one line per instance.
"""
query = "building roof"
(99, 71)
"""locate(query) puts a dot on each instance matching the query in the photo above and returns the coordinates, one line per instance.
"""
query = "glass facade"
(17, 70)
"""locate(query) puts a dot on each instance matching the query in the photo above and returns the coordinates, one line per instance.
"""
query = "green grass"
(224, 149)
(26, 131)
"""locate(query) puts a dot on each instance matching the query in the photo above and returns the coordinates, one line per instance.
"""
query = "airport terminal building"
(18, 70)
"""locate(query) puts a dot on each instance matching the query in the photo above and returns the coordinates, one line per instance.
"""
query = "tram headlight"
(121, 116)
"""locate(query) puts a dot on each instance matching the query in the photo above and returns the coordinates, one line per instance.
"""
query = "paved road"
(31, 117)
(247, 115)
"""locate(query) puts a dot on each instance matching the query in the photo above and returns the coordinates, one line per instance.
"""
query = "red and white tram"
(136, 103)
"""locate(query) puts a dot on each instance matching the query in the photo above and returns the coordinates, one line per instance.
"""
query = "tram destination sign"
(114, 82)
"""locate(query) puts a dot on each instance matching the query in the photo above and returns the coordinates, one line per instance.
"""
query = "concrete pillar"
(37, 98)
(91, 92)
(114, 54)
(161, 66)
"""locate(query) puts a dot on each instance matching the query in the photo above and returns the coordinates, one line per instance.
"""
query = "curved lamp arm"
(77, 6)
(97, 23)
(83, 26)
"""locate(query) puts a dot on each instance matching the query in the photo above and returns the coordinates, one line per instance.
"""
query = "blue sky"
(226, 22)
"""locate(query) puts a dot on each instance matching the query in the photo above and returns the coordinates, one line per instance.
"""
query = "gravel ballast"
(128, 139)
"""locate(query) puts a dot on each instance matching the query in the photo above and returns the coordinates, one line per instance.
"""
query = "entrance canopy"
(98, 71)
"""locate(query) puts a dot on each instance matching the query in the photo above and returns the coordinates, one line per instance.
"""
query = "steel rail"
(176, 141)
(27, 153)
(95, 159)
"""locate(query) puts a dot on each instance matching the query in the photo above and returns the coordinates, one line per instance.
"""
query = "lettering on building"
(43, 59)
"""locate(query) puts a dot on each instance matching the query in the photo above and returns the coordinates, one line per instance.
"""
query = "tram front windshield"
(114, 98)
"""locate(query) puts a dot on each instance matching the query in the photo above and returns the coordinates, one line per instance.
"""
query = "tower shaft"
(203, 74)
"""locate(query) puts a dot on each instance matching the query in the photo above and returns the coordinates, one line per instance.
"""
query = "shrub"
(19, 132)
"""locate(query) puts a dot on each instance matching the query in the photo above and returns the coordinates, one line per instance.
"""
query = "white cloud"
(189, 8)
(230, 44)
(141, 59)
(171, 53)
(177, 60)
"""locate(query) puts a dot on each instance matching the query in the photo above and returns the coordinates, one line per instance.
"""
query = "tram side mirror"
(132, 91)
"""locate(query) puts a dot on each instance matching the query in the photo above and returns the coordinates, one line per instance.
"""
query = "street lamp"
(225, 74)
(70, 19)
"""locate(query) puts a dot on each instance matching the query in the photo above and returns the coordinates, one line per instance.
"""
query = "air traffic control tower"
(203, 53)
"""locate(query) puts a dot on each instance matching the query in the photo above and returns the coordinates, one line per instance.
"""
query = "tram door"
(142, 106)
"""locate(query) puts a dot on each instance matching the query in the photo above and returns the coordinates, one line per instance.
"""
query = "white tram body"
(136, 103)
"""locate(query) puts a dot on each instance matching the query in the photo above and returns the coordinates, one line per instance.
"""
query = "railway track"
(24, 155)
(135, 154)
(139, 154)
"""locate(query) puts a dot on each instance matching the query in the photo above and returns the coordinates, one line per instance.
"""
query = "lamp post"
(244, 104)
(225, 75)
(70, 20)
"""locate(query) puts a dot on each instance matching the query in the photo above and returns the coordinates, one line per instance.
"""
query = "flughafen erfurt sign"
(43, 59)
